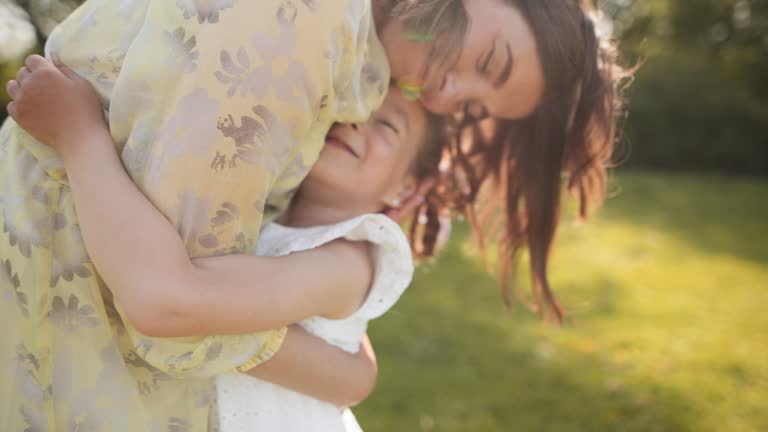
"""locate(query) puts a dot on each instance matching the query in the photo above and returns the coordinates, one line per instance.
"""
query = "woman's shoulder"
(357, 57)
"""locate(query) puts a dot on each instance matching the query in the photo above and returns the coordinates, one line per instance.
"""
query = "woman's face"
(498, 73)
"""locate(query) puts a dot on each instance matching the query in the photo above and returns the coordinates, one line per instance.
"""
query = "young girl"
(333, 261)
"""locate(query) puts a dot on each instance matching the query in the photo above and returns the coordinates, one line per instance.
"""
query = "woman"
(537, 91)
(224, 231)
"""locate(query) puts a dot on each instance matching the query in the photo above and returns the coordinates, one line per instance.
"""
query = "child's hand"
(53, 103)
(400, 213)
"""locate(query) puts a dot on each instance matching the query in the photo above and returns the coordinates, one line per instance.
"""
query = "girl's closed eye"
(389, 124)
(390, 127)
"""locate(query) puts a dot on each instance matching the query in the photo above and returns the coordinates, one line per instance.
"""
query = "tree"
(699, 100)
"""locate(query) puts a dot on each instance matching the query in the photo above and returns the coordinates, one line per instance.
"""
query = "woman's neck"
(306, 212)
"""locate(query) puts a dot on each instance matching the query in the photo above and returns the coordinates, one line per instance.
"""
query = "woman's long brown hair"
(565, 144)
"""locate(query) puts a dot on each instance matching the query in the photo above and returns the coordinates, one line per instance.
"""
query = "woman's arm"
(162, 291)
(310, 366)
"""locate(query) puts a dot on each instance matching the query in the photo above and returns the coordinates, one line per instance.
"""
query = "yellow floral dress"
(219, 108)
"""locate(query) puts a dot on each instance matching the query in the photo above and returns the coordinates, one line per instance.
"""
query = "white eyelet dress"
(247, 404)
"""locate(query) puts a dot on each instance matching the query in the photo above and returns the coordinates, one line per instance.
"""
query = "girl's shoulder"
(276, 239)
(390, 253)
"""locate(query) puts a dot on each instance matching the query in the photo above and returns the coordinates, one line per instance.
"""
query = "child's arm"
(308, 365)
(162, 291)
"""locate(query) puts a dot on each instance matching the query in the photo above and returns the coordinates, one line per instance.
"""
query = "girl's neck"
(305, 212)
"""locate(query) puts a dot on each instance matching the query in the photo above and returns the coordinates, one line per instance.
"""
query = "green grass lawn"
(668, 297)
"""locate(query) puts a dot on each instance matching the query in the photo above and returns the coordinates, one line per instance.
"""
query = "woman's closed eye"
(485, 62)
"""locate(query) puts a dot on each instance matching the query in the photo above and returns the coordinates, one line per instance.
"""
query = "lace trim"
(266, 352)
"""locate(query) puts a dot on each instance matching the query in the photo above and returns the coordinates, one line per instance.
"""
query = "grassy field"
(667, 291)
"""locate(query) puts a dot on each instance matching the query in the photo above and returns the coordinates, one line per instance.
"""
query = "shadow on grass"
(452, 360)
(713, 213)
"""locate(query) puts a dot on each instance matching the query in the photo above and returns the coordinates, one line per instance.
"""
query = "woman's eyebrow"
(507, 70)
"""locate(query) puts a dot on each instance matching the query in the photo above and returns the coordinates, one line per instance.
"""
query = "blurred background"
(667, 287)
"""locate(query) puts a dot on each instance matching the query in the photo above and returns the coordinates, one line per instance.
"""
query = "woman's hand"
(53, 103)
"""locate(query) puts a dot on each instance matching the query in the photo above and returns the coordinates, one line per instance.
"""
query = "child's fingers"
(35, 62)
(413, 201)
(22, 75)
(13, 88)
(425, 186)
(416, 198)
(11, 110)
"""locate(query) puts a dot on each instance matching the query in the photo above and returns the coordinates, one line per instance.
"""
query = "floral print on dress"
(70, 315)
(69, 258)
(260, 138)
(148, 378)
(34, 421)
(190, 130)
(176, 424)
(102, 71)
(185, 50)
(11, 280)
(205, 10)
(246, 75)
(29, 383)
(214, 105)
(24, 206)
(221, 232)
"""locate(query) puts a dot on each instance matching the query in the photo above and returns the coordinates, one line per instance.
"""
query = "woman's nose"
(450, 88)
(461, 89)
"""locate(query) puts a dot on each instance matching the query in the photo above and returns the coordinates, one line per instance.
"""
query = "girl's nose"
(358, 127)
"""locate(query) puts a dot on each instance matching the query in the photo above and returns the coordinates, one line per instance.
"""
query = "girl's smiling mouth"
(335, 141)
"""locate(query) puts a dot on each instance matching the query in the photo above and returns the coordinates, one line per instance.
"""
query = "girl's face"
(368, 165)
(498, 73)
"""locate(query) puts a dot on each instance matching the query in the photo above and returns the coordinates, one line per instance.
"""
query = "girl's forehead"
(397, 103)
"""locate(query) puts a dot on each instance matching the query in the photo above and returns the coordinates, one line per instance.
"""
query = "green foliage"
(700, 99)
(666, 291)
(687, 114)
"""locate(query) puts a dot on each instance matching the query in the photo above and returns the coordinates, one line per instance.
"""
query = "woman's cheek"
(406, 57)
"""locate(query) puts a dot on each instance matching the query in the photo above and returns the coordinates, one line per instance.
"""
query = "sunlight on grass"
(666, 330)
